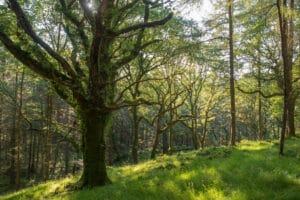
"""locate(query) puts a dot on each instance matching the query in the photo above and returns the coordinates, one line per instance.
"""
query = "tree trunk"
(165, 142)
(19, 134)
(194, 134)
(135, 143)
(203, 138)
(156, 141)
(13, 139)
(170, 135)
(48, 137)
(291, 117)
(260, 119)
(231, 63)
(286, 33)
(170, 132)
(67, 158)
(1, 132)
(94, 124)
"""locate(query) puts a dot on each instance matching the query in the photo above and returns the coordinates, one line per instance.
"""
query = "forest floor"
(251, 170)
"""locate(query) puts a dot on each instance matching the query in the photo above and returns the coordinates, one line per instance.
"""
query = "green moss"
(251, 170)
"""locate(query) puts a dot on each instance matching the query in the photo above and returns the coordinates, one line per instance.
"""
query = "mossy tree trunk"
(94, 124)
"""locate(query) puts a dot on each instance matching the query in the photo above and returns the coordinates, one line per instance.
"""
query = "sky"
(198, 13)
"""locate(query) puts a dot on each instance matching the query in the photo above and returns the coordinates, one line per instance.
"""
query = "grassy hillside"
(252, 170)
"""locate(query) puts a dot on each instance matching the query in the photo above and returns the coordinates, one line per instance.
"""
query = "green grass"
(252, 170)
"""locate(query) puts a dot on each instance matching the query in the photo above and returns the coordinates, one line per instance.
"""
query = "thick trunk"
(94, 124)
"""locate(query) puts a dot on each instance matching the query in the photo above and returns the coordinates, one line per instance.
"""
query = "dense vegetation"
(88, 84)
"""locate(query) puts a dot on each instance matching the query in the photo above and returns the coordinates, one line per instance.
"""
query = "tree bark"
(194, 134)
(203, 138)
(156, 140)
(19, 133)
(231, 63)
(165, 142)
(286, 33)
(260, 119)
(135, 143)
(291, 117)
(94, 124)
(48, 137)
(13, 138)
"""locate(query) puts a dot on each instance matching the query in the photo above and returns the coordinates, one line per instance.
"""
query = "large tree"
(96, 39)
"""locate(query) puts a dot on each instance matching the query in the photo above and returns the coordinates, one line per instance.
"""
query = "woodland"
(135, 99)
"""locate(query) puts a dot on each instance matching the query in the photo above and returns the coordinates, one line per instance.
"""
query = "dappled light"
(172, 177)
(150, 99)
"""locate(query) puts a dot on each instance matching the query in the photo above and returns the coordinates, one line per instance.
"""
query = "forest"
(141, 99)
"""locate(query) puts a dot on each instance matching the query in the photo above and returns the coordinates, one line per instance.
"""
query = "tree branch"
(260, 92)
(45, 69)
(26, 26)
(145, 25)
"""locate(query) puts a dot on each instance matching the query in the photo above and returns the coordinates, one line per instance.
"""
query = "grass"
(252, 170)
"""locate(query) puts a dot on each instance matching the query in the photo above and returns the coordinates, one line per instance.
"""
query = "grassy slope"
(252, 170)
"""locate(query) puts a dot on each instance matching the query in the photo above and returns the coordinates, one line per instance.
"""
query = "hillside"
(252, 170)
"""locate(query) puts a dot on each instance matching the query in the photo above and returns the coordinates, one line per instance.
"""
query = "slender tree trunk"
(37, 153)
(231, 63)
(165, 142)
(30, 154)
(19, 134)
(194, 134)
(1, 127)
(13, 138)
(156, 140)
(260, 119)
(67, 158)
(135, 143)
(203, 138)
(170, 135)
(94, 125)
(48, 137)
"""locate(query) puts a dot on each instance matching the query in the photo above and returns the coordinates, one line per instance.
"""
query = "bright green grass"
(252, 170)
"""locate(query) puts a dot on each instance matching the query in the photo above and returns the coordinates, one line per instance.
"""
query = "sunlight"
(198, 13)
